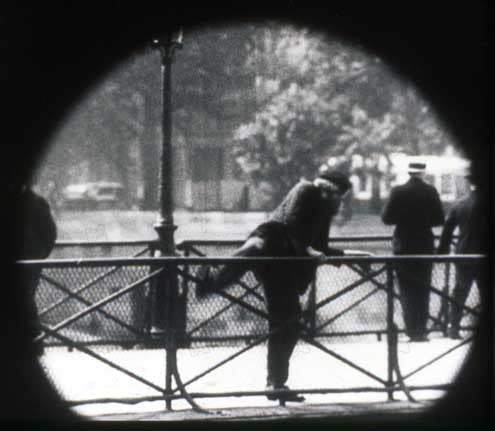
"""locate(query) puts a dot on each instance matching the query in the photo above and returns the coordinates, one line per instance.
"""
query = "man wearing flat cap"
(414, 208)
(298, 227)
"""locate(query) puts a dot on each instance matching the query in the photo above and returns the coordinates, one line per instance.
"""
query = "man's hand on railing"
(364, 266)
(333, 252)
(315, 253)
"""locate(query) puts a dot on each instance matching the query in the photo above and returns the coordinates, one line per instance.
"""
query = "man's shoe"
(271, 397)
(282, 393)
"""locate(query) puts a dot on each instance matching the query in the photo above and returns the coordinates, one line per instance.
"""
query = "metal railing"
(89, 303)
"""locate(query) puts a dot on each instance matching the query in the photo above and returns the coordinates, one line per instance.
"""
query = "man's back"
(304, 213)
(414, 208)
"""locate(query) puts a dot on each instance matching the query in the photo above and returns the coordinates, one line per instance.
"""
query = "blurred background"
(256, 107)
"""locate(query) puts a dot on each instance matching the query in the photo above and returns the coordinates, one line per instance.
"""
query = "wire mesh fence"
(102, 249)
(64, 292)
(359, 312)
(99, 311)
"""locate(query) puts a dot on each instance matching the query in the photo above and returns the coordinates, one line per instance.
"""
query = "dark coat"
(39, 232)
(36, 239)
(307, 216)
(414, 208)
(470, 214)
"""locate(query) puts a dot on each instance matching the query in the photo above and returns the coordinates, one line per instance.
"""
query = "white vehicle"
(93, 196)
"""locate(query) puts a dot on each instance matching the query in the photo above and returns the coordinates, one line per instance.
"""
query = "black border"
(51, 55)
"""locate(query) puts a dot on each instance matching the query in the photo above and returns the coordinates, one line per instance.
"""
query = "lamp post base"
(165, 233)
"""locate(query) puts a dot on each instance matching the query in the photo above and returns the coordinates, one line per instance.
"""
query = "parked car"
(93, 196)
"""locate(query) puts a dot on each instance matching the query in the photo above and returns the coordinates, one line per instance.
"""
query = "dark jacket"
(470, 214)
(414, 208)
(38, 229)
(307, 216)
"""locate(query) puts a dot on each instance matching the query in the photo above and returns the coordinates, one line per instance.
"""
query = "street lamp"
(168, 310)
(164, 225)
(164, 289)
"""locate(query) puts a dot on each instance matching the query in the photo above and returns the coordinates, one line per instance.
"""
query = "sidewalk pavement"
(391, 411)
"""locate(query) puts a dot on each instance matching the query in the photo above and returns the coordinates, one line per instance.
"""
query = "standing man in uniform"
(414, 208)
(470, 216)
(298, 227)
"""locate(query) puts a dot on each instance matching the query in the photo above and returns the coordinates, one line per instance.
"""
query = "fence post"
(170, 348)
(445, 303)
(391, 337)
(185, 280)
(149, 298)
(312, 306)
(175, 324)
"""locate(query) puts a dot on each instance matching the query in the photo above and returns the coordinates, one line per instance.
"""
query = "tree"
(115, 130)
(294, 98)
(318, 99)
(144, 78)
(310, 93)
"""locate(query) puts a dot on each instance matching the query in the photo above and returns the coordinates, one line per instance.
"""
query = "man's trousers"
(466, 275)
(414, 284)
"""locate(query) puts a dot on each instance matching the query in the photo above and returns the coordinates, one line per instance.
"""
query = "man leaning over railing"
(298, 227)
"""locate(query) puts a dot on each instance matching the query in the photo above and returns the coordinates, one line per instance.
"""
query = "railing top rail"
(187, 242)
(71, 243)
(173, 260)
(352, 238)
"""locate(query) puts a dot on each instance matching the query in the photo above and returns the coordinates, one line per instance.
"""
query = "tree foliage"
(292, 97)
(319, 98)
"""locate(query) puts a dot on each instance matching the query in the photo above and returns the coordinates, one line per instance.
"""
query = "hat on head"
(338, 178)
(416, 168)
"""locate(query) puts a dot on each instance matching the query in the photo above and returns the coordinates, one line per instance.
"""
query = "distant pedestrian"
(470, 216)
(36, 241)
(414, 208)
(298, 227)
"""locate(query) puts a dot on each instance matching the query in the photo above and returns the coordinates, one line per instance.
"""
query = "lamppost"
(164, 225)
(165, 313)
(164, 289)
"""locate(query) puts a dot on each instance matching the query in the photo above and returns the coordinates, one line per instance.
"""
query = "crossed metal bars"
(180, 264)
(392, 330)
